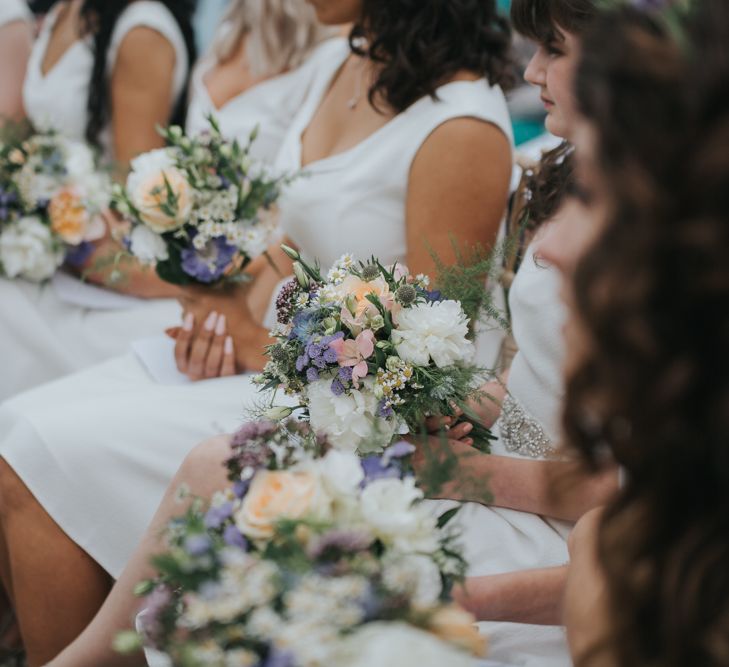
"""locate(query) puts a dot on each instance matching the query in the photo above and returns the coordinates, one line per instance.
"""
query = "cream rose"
(276, 495)
(152, 175)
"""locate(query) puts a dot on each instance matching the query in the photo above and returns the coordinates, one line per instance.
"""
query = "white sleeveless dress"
(98, 448)
(42, 336)
(503, 540)
(14, 10)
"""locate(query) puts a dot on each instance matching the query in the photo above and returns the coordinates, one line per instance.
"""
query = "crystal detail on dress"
(521, 433)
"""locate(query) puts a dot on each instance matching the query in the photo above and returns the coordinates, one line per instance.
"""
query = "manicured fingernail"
(188, 322)
(228, 345)
(220, 326)
(210, 322)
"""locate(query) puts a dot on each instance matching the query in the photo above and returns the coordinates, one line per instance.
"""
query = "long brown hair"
(652, 296)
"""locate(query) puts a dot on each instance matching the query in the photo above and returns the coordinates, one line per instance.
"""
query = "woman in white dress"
(380, 182)
(107, 72)
(16, 39)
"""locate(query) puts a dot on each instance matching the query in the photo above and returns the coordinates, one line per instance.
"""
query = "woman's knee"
(14, 494)
(203, 470)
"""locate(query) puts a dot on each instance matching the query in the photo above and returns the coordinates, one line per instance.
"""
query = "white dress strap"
(458, 99)
(13, 10)
(154, 15)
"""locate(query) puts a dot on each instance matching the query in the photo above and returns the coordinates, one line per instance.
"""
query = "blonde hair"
(279, 34)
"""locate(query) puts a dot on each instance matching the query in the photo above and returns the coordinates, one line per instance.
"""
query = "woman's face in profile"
(337, 12)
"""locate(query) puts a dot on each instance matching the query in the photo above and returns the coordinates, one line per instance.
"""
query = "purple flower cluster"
(150, 622)
(210, 263)
(285, 301)
(338, 542)
(317, 356)
(8, 199)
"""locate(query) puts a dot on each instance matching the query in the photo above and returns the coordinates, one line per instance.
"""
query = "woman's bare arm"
(16, 40)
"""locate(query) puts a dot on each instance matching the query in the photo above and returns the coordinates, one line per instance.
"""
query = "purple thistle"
(210, 263)
(234, 538)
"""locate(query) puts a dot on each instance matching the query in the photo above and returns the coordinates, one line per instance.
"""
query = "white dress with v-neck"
(43, 336)
(99, 448)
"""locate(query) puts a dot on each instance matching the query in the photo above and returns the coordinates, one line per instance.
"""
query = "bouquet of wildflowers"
(200, 209)
(311, 558)
(369, 352)
(52, 195)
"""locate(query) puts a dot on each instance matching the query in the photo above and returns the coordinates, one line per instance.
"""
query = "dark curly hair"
(421, 44)
(538, 20)
(652, 296)
(99, 17)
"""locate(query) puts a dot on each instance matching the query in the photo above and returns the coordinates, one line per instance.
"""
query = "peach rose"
(152, 201)
(147, 187)
(457, 626)
(358, 308)
(281, 494)
(71, 220)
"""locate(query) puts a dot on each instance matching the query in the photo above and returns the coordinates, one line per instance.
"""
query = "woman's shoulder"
(13, 10)
(148, 14)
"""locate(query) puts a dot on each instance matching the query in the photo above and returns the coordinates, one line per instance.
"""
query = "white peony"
(349, 421)
(390, 510)
(147, 246)
(436, 331)
(398, 644)
(27, 250)
(35, 186)
(341, 473)
(79, 159)
(151, 175)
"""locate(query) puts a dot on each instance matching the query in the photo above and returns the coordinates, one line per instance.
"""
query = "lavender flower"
(216, 516)
(285, 301)
(337, 387)
(210, 263)
(77, 255)
(150, 624)
(7, 200)
(375, 468)
(278, 658)
(330, 356)
(240, 488)
(302, 362)
(384, 410)
(312, 375)
(345, 374)
(198, 545)
(234, 538)
(252, 431)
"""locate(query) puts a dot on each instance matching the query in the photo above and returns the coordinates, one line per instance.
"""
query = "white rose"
(436, 331)
(349, 421)
(389, 508)
(147, 246)
(147, 186)
(27, 250)
(398, 644)
(415, 575)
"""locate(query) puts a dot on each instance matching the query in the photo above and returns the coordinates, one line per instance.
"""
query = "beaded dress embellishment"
(521, 433)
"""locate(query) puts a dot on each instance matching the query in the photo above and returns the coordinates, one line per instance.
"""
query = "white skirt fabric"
(98, 448)
(43, 337)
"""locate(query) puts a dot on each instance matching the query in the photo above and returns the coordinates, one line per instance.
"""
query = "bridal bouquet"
(52, 194)
(369, 352)
(310, 559)
(200, 209)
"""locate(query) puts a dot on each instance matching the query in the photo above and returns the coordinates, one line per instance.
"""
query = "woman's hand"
(208, 354)
(445, 425)
(219, 334)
